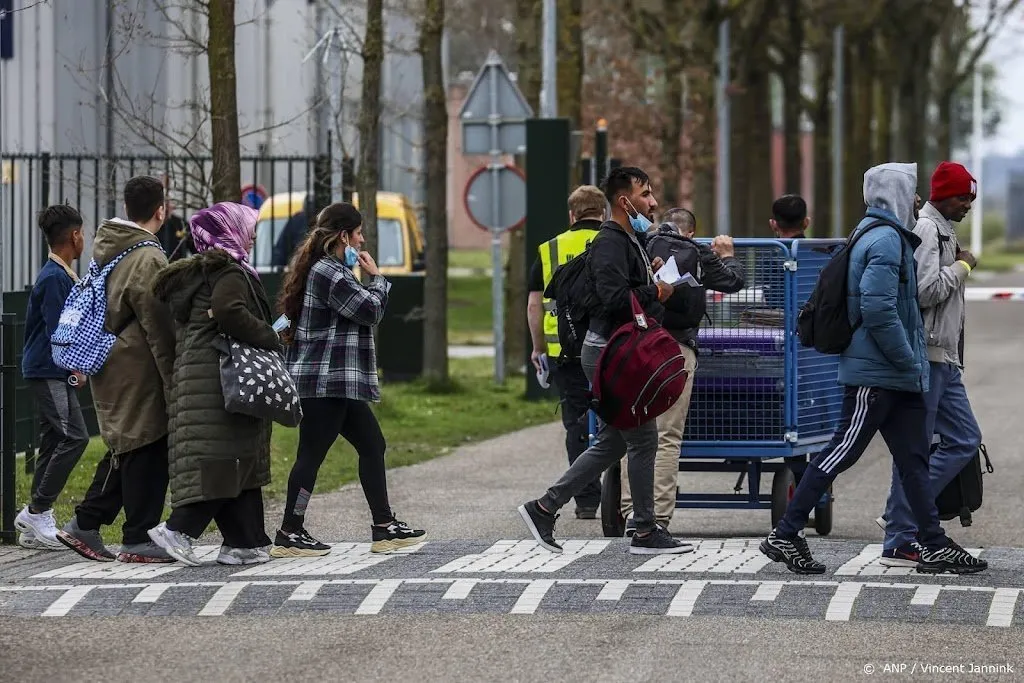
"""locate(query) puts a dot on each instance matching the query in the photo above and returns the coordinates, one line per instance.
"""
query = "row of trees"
(648, 67)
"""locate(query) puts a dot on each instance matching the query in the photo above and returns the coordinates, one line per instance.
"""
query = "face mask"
(351, 256)
(639, 222)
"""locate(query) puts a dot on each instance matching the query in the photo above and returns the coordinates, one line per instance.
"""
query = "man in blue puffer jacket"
(885, 373)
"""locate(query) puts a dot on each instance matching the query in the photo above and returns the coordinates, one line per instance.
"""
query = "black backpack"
(963, 494)
(690, 302)
(573, 293)
(823, 322)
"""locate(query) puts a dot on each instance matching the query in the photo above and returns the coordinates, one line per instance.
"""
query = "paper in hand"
(669, 274)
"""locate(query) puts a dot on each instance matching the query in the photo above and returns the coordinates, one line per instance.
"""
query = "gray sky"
(1007, 53)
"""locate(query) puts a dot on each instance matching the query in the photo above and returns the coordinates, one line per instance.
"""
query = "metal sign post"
(493, 119)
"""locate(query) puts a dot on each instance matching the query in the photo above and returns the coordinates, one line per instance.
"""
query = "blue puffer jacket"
(888, 349)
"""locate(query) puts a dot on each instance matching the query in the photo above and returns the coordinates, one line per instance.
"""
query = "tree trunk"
(739, 176)
(435, 129)
(528, 14)
(701, 134)
(368, 179)
(861, 111)
(883, 122)
(220, 58)
(672, 132)
(822, 222)
(853, 194)
(791, 82)
(570, 62)
(944, 127)
(762, 192)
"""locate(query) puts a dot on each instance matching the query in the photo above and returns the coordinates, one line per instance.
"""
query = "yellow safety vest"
(553, 253)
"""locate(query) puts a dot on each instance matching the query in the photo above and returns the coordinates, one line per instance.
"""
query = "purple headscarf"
(227, 226)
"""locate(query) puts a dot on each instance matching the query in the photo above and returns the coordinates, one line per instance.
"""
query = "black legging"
(323, 420)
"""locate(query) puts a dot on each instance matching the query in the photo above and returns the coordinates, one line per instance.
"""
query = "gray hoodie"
(940, 284)
(891, 187)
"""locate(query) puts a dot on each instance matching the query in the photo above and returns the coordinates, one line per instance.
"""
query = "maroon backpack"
(640, 373)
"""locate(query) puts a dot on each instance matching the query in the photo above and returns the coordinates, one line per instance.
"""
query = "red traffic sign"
(495, 198)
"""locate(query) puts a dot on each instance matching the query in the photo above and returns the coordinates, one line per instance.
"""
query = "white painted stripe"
(686, 597)
(994, 294)
(1004, 602)
(852, 432)
(531, 597)
(306, 590)
(460, 589)
(152, 592)
(62, 605)
(222, 599)
(926, 595)
(378, 596)
(841, 605)
(768, 591)
(613, 590)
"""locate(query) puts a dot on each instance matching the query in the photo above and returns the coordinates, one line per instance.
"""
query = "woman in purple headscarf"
(218, 460)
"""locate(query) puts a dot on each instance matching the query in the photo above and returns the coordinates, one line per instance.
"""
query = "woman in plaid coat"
(332, 359)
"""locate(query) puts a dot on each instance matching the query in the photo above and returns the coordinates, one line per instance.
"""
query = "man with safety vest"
(587, 206)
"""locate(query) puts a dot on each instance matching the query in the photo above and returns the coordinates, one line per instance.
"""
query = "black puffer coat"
(213, 454)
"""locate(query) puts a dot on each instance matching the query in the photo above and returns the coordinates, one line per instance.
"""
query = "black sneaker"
(630, 527)
(950, 558)
(394, 536)
(794, 553)
(541, 525)
(586, 512)
(298, 544)
(658, 542)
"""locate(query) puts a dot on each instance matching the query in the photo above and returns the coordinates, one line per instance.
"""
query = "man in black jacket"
(619, 266)
(717, 269)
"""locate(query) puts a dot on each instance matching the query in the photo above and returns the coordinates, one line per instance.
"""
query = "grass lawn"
(997, 260)
(469, 310)
(417, 424)
(479, 259)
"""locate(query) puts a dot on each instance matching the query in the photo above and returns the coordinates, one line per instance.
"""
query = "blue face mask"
(351, 257)
(639, 222)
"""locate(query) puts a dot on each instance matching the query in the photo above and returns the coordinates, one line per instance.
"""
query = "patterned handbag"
(255, 382)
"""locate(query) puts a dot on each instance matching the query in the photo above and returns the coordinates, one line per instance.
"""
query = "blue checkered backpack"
(81, 342)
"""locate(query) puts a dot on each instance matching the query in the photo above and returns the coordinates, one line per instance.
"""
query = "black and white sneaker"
(395, 535)
(658, 542)
(298, 544)
(951, 559)
(794, 553)
(541, 525)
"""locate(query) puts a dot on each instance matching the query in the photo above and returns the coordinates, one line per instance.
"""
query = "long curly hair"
(322, 240)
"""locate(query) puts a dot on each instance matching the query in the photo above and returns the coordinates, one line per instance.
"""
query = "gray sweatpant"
(62, 439)
(640, 444)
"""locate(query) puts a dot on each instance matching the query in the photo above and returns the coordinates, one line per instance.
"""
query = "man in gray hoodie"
(942, 270)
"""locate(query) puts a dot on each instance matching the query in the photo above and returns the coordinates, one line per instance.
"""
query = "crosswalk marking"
(1004, 602)
(532, 596)
(460, 589)
(926, 594)
(220, 602)
(306, 590)
(378, 596)
(152, 592)
(62, 605)
(344, 558)
(614, 589)
(841, 605)
(522, 557)
(686, 597)
(731, 556)
(768, 591)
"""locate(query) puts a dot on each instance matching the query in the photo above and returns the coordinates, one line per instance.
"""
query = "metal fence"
(93, 184)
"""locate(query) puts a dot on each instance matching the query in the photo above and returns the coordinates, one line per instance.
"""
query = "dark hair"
(620, 181)
(681, 218)
(58, 221)
(143, 196)
(338, 218)
(789, 211)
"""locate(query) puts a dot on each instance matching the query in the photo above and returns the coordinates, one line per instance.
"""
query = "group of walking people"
(159, 396)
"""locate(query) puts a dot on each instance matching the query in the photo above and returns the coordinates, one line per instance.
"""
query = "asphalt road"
(410, 630)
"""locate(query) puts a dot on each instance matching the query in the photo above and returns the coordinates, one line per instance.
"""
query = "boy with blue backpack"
(114, 329)
(63, 436)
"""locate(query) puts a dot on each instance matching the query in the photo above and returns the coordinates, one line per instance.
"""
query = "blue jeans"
(950, 416)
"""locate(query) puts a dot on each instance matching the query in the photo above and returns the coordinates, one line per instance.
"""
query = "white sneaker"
(42, 527)
(237, 556)
(27, 540)
(177, 544)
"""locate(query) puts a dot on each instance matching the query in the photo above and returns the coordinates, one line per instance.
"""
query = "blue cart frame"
(797, 418)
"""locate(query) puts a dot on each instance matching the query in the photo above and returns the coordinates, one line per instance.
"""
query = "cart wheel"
(783, 484)
(823, 516)
(612, 523)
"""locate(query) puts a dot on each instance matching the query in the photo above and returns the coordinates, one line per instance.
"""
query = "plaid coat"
(332, 355)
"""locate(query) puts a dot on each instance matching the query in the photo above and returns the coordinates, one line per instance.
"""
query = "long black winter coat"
(213, 453)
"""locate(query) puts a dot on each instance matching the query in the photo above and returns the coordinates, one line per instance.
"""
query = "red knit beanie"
(952, 180)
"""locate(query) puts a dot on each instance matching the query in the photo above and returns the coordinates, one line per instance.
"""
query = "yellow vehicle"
(283, 223)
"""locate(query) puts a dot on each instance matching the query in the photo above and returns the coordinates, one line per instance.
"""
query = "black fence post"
(44, 168)
(8, 471)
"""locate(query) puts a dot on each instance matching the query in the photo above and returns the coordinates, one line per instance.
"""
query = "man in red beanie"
(942, 270)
